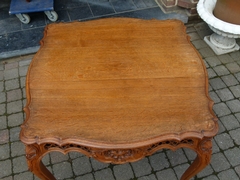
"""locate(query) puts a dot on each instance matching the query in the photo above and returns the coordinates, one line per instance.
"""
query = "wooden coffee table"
(117, 90)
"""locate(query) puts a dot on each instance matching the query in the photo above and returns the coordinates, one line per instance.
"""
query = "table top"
(117, 82)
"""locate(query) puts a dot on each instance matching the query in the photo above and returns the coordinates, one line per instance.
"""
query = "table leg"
(204, 153)
(34, 154)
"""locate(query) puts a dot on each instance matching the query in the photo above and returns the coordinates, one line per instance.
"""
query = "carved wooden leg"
(34, 155)
(204, 153)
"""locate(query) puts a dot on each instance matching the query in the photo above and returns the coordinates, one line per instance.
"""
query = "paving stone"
(221, 127)
(233, 67)
(1, 85)
(17, 149)
(205, 172)
(230, 122)
(150, 177)
(11, 84)
(176, 157)
(46, 160)
(167, 174)
(225, 94)
(8, 178)
(194, 36)
(15, 119)
(14, 107)
(212, 177)
(2, 97)
(206, 64)
(233, 156)
(4, 137)
(202, 26)
(6, 168)
(225, 58)
(74, 155)
(62, 170)
(19, 164)
(24, 102)
(4, 151)
(199, 44)
(221, 109)
(23, 70)
(105, 174)
(159, 161)
(234, 105)
(14, 134)
(215, 148)
(206, 52)
(238, 62)
(23, 82)
(228, 174)
(210, 87)
(14, 95)
(203, 33)
(219, 162)
(180, 169)
(25, 176)
(81, 165)
(190, 28)
(10, 74)
(191, 155)
(2, 109)
(230, 80)
(85, 177)
(235, 55)
(235, 134)
(3, 122)
(214, 97)
(57, 157)
(224, 141)
(221, 70)
(25, 62)
(237, 75)
(123, 172)
(1, 75)
(235, 90)
(211, 73)
(141, 168)
(237, 115)
(98, 165)
(237, 169)
(217, 83)
(12, 65)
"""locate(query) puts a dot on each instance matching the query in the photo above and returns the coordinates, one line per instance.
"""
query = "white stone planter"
(222, 41)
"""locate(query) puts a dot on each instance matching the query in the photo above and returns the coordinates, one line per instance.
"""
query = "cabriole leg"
(204, 153)
(34, 155)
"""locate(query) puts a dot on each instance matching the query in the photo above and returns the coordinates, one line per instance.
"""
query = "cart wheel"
(52, 15)
(24, 18)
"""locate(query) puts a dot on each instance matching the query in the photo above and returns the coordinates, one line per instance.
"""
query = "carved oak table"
(117, 90)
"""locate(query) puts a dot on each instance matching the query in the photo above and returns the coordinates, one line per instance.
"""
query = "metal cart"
(21, 7)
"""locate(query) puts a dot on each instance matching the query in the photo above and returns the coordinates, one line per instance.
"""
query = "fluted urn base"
(221, 44)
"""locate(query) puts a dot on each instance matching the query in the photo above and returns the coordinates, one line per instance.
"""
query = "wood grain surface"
(117, 82)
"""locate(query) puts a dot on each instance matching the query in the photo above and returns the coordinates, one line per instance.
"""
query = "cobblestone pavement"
(224, 80)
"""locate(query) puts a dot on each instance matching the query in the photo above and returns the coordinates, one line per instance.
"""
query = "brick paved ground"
(224, 75)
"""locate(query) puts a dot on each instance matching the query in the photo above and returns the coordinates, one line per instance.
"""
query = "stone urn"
(223, 17)
(228, 11)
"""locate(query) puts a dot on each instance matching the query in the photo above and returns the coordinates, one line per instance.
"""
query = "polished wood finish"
(117, 90)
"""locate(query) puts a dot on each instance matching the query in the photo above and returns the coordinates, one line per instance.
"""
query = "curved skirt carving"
(119, 156)
(203, 148)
